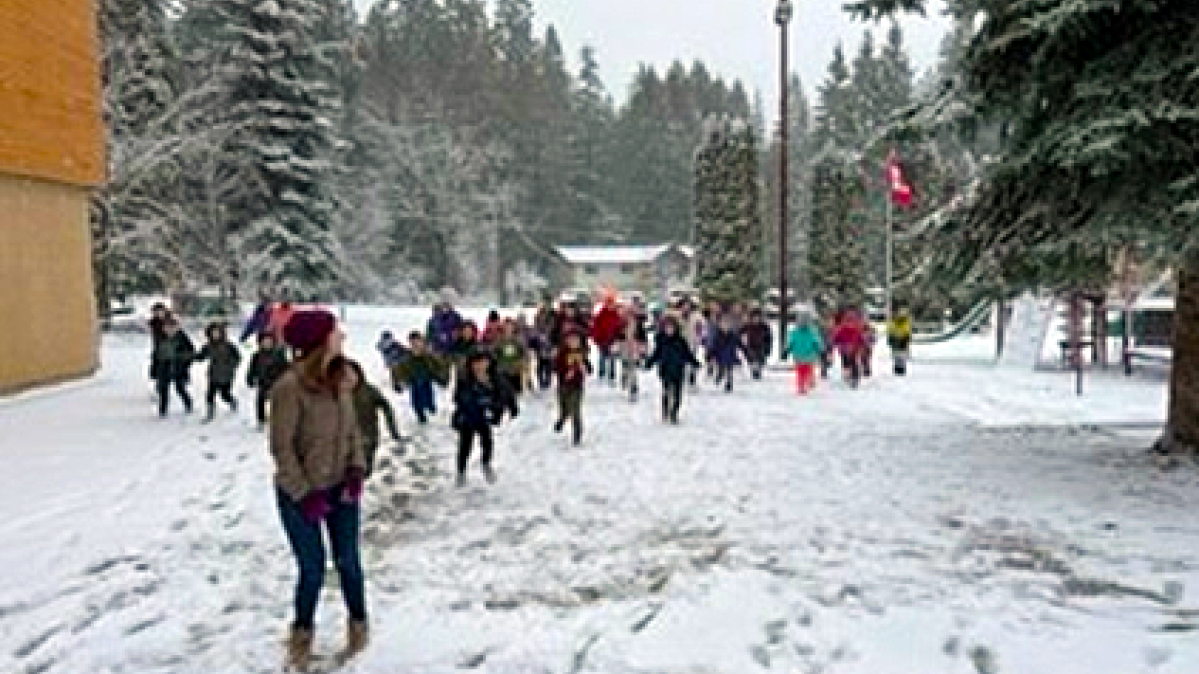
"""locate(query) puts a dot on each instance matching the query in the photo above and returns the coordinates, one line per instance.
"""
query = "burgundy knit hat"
(308, 330)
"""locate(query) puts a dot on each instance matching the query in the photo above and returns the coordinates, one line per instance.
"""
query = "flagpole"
(890, 255)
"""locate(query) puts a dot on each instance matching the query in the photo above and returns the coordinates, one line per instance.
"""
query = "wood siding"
(47, 307)
(50, 114)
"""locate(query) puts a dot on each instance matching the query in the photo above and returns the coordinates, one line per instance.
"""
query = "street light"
(782, 17)
(783, 13)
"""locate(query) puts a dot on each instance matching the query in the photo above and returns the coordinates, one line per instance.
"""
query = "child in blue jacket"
(481, 399)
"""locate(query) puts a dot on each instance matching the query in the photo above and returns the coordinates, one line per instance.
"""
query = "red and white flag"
(901, 190)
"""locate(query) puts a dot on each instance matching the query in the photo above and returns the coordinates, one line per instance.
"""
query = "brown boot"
(357, 636)
(299, 648)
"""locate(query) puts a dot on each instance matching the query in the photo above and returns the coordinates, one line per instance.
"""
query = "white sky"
(737, 39)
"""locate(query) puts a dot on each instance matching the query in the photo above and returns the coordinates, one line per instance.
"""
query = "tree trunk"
(1182, 427)
(1000, 325)
(101, 250)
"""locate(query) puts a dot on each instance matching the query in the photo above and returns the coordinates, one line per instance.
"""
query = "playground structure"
(1072, 332)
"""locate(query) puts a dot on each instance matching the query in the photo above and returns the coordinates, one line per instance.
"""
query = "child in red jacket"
(849, 336)
(572, 367)
(606, 328)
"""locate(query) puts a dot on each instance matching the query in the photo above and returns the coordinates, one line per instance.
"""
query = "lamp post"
(782, 17)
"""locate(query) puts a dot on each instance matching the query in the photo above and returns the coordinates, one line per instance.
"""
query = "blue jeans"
(424, 401)
(607, 364)
(309, 550)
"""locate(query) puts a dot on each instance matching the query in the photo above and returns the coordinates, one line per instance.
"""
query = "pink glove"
(353, 488)
(315, 506)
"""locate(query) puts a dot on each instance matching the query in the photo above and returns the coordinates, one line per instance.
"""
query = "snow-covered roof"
(612, 254)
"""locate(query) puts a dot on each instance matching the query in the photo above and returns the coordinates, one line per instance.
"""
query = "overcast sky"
(737, 39)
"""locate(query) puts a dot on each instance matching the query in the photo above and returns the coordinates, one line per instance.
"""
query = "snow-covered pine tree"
(835, 126)
(836, 242)
(897, 82)
(278, 93)
(1100, 148)
(836, 238)
(728, 219)
(592, 119)
(799, 162)
(140, 68)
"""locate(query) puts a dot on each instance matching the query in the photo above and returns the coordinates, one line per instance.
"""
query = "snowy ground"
(967, 519)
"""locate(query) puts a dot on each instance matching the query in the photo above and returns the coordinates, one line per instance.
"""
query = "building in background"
(51, 156)
(653, 271)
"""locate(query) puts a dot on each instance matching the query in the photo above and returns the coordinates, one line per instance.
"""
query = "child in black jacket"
(481, 398)
(672, 355)
(173, 355)
(266, 366)
(223, 360)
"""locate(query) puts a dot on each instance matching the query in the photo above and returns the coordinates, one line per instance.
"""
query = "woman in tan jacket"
(319, 469)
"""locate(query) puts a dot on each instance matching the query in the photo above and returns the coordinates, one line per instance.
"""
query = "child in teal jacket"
(805, 345)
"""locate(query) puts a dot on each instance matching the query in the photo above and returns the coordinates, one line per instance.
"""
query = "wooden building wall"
(51, 156)
(50, 123)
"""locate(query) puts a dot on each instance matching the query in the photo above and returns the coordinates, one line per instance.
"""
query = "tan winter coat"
(314, 434)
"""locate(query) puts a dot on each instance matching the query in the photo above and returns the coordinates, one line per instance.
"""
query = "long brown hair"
(323, 372)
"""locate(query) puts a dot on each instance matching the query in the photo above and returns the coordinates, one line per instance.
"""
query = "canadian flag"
(901, 190)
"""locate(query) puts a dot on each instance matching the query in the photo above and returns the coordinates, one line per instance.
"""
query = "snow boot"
(233, 404)
(461, 481)
(299, 648)
(357, 637)
(558, 425)
(488, 474)
(210, 415)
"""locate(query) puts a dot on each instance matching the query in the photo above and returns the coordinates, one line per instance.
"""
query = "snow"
(970, 516)
(611, 254)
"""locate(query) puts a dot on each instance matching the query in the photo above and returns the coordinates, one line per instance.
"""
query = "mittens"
(315, 506)
(353, 486)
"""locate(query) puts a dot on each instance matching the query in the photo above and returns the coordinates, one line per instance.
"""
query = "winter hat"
(308, 330)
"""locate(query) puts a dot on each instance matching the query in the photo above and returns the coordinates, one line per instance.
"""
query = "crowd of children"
(324, 413)
(552, 349)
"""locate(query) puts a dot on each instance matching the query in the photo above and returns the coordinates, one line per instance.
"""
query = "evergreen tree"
(653, 150)
(836, 244)
(132, 213)
(836, 250)
(835, 125)
(279, 95)
(867, 108)
(592, 127)
(1101, 128)
(728, 218)
(457, 144)
(895, 73)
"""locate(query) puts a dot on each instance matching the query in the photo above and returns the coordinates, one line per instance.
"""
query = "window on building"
(590, 269)
(628, 268)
